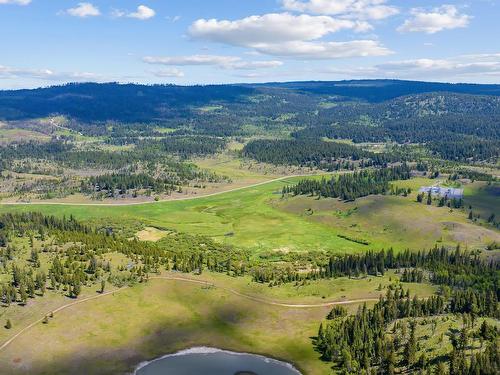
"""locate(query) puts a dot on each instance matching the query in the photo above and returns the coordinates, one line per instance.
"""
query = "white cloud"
(84, 10)
(173, 19)
(16, 2)
(191, 60)
(251, 65)
(143, 13)
(284, 34)
(417, 64)
(445, 17)
(324, 50)
(46, 74)
(168, 73)
(117, 13)
(363, 9)
(9, 72)
(462, 68)
(483, 56)
(271, 28)
(224, 62)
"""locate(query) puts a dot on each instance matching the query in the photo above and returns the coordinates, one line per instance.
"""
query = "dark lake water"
(210, 361)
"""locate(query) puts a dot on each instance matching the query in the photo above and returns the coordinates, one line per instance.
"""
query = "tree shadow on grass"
(224, 327)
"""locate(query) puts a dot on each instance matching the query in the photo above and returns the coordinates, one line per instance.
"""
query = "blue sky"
(47, 42)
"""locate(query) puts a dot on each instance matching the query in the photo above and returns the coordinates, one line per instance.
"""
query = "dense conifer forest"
(350, 186)
(311, 153)
(364, 341)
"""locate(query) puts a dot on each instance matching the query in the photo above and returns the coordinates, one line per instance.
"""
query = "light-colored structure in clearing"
(450, 193)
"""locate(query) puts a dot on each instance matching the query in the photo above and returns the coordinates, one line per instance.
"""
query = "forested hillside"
(458, 122)
(131, 102)
(312, 153)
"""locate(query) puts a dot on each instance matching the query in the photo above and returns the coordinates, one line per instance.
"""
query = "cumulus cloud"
(168, 73)
(284, 34)
(224, 62)
(364, 9)
(84, 10)
(445, 17)
(142, 13)
(46, 74)
(16, 2)
(271, 28)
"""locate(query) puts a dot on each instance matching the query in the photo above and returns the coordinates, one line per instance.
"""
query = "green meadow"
(163, 316)
(259, 219)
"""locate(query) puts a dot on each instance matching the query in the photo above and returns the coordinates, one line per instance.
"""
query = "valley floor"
(256, 217)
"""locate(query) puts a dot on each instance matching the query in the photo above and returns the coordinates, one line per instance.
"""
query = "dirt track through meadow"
(188, 280)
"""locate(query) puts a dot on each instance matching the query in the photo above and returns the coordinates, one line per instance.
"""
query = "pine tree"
(411, 347)
(390, 361)
(441, 369)
(76, 290)
(92, 268)
(22, 294)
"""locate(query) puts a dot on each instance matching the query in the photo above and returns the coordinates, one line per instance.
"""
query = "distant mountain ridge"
(145, 103)
(377, 90)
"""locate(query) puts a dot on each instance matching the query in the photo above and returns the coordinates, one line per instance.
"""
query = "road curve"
(6, 343)
(161, 200)
(263, 300)
(200, 282)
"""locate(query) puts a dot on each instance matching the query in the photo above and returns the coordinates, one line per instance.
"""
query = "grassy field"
(151, 234)
(319, 291)
(483, 198)
(162, 316)
(257, 218)
(243, 217)
(242, 170)
(12, 135)
(396, 221)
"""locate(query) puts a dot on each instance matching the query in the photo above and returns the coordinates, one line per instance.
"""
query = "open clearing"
(483, 198)
(257, 218)
(392, 221)
(151, 234)
(181, 315)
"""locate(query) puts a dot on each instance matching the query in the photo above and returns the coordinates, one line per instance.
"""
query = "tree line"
(350, 186)
(310, 153)
(360, 343)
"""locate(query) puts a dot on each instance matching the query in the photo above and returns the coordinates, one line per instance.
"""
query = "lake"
(211, 361)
